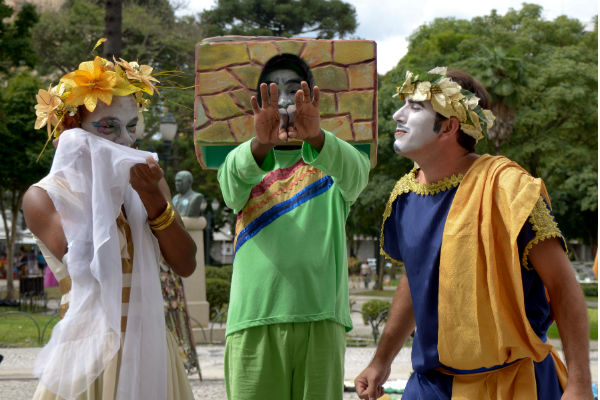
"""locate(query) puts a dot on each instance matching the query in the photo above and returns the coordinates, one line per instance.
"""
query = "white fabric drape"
(88, 183)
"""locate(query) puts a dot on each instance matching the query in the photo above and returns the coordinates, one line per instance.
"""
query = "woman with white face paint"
(103, 219)
(116, 122)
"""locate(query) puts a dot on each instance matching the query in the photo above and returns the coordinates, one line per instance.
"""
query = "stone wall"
(227, 72)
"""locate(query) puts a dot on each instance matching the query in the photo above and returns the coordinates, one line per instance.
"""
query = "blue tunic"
(413, 236)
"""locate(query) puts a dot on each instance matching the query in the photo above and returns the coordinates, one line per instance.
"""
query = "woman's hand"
(144, 179)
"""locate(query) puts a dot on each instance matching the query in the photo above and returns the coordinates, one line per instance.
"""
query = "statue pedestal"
(195, 284)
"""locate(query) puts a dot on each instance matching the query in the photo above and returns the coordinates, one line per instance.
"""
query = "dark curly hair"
(286, 61)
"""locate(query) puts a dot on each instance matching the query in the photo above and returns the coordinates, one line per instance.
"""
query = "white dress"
(104, 387)
(111, 342)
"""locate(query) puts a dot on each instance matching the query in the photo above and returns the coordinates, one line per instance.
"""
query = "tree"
(160, 40)
(19, 151)
(323, 18)
(64, 38)
(19, 148)
(112, 28)
(15, 37)
(544, 74)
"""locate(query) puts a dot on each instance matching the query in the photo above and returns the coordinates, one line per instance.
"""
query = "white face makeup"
(116, 122)
(288, 83)
(414, 130)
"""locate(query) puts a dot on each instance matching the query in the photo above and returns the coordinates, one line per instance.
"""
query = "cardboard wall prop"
(227, 72)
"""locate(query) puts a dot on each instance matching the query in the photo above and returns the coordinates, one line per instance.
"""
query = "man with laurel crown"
(104, 221)
(486, 268)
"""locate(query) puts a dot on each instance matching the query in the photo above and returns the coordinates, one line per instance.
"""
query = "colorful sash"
(278, 193)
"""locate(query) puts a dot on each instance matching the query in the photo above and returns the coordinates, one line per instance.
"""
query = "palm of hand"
(308, 118)
(266, 116)
(266, 124)
(268, 120)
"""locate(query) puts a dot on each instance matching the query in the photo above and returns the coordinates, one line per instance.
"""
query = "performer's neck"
(433, 170)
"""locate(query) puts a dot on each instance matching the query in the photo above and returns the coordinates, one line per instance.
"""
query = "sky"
(391, 22)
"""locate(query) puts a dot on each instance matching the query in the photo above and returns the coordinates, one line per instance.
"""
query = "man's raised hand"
(267, 118)
(307, 124)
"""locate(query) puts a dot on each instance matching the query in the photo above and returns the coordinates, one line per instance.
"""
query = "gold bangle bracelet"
(165, 224)
(163, 216)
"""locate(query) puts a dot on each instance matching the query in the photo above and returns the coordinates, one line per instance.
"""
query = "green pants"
(292, 361)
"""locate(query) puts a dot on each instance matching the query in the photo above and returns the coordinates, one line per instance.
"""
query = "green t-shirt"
(290, 260)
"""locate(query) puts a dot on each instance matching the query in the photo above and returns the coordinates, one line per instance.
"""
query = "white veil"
(88, 183)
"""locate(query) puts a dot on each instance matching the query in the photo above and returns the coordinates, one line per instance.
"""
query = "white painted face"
(116, 122)
(415, 123)
(288, 83)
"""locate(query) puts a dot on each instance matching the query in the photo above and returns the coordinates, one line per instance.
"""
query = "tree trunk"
(11, 233)
(10, 240)
(500, 132)
(112, 28)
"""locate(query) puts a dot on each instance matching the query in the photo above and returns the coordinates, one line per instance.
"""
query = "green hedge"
(590, 289)
(223, 272)
(217, 294)
(373, 308)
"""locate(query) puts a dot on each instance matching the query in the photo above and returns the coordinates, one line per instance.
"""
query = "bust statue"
(186, 201)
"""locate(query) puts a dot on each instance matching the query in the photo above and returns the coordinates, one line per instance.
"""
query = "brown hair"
(70, 122)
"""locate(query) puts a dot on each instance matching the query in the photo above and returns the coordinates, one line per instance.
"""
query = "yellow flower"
(46, 108)
(90, 83)
(142, 73)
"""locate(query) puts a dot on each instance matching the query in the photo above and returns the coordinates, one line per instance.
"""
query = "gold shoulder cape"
(482, 319)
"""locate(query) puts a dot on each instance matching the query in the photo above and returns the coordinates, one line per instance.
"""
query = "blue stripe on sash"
(475, 371)
(278, 210)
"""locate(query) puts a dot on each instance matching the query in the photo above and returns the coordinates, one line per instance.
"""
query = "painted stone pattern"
(227, 72)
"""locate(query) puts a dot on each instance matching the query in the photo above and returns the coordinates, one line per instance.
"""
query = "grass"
(18, 330)
(51, 293)
(593, 317)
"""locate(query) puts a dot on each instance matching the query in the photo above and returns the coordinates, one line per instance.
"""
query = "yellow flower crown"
(449, 99)
(95, 80)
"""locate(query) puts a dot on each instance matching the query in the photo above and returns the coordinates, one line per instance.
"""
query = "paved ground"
(17, 382)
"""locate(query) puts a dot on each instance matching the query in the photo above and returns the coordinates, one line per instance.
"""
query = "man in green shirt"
(291, 187)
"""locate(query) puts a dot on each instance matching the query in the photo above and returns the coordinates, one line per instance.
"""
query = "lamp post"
(168, 129)
(210, 223)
